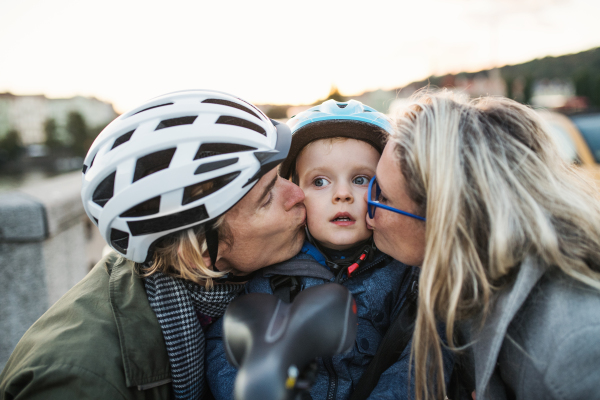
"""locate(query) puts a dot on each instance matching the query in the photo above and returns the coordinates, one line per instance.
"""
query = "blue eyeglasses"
(373, 202)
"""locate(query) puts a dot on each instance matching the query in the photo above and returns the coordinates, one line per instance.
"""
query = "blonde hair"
(180, 255)
(494, 190)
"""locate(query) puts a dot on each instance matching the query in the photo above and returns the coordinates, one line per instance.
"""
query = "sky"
(272, 51)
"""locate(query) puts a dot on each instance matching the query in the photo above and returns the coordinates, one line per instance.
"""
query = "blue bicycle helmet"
(331, 119)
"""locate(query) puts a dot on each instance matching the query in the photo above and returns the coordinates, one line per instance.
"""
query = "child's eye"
(360, 180)
(320, 182)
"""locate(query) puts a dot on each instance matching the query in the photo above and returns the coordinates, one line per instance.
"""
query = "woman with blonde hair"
(510, 245)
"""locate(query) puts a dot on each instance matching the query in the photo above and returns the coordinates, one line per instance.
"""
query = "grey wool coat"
(541, 340)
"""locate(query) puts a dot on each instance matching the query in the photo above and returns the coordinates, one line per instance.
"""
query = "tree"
(595, 91)
(78, 133)
(50, 129)
(94, 131)
(582, 80)
(587, 84)
(528, 89)
(277, 112)
(11, 146)
(334, 94)
(510, 81)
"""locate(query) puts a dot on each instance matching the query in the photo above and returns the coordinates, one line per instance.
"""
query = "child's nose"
(343, 194)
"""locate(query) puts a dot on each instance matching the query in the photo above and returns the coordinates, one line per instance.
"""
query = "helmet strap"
(212, 243)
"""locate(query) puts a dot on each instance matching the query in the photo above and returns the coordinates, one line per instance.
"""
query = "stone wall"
(47, 245)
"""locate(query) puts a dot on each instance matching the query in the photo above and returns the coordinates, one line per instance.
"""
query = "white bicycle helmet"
(175, 162)
(331, 119)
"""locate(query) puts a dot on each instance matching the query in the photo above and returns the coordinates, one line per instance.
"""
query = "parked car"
(578, 138)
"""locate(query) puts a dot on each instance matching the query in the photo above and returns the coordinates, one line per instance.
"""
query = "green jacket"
(101, 340)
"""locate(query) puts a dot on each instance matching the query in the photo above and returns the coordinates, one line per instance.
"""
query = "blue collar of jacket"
(311, 250)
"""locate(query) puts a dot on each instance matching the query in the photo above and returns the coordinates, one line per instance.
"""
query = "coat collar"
(489, 339)
(143, 349)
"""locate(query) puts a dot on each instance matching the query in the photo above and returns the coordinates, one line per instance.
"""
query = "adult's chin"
(298, 241)
(288, 250)
(384, 246)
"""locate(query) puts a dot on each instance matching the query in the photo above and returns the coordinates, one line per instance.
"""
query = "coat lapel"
(489, 340)
(143, 348)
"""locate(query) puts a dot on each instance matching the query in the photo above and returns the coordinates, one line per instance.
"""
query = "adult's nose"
(293, 194)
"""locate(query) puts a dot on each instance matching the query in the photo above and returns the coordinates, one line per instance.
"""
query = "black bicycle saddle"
(270, 341)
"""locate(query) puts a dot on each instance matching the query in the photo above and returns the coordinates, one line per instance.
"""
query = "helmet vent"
(253, 106)
(104, 190)
(231, 104)
(150, 108)
(215, 149)
(203, 189)
(227, 120)
(85, 167)
(169, 123)
(316, 110)
(152, 163)
(122, 139)
(148, 207)
(340, 105)
(211, 166)
(168, 222)
(119, 240)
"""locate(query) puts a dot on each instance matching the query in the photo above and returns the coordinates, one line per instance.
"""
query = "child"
(334, 154)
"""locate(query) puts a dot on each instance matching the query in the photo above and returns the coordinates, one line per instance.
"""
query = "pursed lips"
(343, 219)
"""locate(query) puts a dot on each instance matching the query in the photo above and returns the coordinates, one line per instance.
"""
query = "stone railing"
(47, 245)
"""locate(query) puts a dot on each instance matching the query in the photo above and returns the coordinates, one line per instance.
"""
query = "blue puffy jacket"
(379, 287)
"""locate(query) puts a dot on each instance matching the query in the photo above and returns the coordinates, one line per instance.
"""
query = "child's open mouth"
(343, 219)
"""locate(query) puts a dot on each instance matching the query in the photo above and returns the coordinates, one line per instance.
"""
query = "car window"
(566, 146)
(589, 126)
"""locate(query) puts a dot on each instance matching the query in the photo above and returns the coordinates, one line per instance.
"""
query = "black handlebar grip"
(264, 337)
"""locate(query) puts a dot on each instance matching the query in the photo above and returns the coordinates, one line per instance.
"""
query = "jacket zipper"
(333, 379)
(328, 362)
(359, 271)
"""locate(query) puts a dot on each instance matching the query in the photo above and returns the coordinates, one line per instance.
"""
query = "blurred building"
(552, 93)
(28, 114)
(489, 83)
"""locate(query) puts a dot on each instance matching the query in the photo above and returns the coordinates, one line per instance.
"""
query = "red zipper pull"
(355, 266)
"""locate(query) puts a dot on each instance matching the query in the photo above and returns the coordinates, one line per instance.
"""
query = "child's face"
(334, 178)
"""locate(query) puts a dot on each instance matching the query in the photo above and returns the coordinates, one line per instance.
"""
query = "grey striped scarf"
(176, 303)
